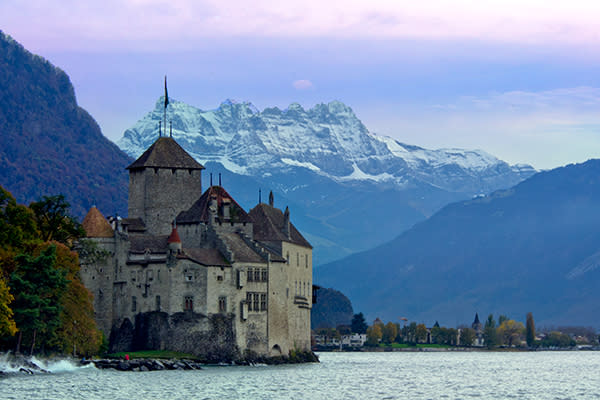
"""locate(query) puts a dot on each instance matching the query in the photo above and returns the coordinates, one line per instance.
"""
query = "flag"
(166, 94)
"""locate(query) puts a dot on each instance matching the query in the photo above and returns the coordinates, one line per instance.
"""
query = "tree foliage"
(421, 333)
(530, 333)
(359, 325)
(390, 331)
(54, 222)
(7, 323)
(41, 294)
(467, 336)
(490, 336)
(374, 335)
(510, 332)
(37, 286)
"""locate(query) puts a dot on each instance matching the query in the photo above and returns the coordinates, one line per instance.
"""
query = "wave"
(10, 363)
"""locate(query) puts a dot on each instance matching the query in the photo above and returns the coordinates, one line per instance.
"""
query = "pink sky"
(518, 79)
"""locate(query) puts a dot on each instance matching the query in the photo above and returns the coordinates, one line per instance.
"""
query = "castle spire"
(166, 104)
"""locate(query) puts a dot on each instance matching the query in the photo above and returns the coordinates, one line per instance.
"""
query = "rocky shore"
(144, 364)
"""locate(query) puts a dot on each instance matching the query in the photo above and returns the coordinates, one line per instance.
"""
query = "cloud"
(302, 84)
(127, 22)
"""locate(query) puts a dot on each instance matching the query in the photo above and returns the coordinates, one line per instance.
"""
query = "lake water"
(422, 375)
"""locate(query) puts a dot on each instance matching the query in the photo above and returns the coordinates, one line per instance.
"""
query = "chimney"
(212, 209)
(286, 222)
(271, 199)
(226, 204)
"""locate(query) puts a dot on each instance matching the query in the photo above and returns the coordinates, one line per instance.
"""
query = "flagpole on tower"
(166, 104)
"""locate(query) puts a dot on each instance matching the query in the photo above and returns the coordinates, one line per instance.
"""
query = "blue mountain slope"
(535, 247)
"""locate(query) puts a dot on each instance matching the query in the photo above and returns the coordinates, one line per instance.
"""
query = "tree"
(421, 333)
(359, 325)
(374, 335)
(54, 222)
(390, 331)
(37, 287)
(411, 333)
(17, 224)
(489, 332)
(77, 332)
(467, 336)
(557, 339)
(530, 326)
(510, 332)
(501, 319)
(436, 333)
(7, 323)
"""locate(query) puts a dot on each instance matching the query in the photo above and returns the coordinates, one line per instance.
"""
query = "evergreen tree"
(489, 332)
(359, 325)
(38, 288)
(530, 327)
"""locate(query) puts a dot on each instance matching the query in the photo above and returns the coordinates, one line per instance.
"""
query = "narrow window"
(265, 276)
(188, 303)
(157, 303)
(222, 304)
(249, 301)
(133, 304)
(297, 259)
(306, 261)
(257, 275)
(250, 275)
(263, 302)
(256, 299)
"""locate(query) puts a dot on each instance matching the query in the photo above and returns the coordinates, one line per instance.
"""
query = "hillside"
(534, 247)
(50, 145)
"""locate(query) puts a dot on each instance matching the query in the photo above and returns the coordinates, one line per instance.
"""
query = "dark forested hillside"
(533, 248)
(332, 309)
(49, 145)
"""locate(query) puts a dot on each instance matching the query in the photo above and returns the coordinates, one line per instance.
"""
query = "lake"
(401, 375)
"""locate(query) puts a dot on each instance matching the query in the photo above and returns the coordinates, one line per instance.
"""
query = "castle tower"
(163, 181)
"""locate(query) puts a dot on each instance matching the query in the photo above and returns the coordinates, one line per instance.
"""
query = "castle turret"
(174, 241)
(164, 181)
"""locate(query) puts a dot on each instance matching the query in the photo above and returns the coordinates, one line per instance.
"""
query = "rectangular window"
(249, 301)
(188, 303)
(250, 275)
(297, 259)
(264, 275)
(157, 303)
(222, 304)
(255, 302)
(150, 275)
(306, 261)
(132, 276)
(133, 304)
(263, 302)
(257, 275)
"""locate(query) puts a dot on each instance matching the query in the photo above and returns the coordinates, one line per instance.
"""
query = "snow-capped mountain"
(326, 148)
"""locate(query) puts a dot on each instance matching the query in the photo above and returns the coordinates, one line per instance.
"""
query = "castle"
(194, 272)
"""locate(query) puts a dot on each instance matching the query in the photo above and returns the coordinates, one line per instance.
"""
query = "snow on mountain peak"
(327, 139)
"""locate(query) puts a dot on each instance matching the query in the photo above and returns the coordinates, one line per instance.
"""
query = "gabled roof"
(95, 225)
(268, 226)
(141, 243)
(198, 212)
(133, 224)
(165, 153)
(205, 257)
(240, 249)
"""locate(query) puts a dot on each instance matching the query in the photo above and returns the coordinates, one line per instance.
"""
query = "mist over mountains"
(347, 188)
(534, 247)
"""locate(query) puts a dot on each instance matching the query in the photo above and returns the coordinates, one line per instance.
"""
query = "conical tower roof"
(165, 153)
(95, 225)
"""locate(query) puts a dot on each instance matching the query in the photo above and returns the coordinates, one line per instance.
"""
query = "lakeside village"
(491, 335)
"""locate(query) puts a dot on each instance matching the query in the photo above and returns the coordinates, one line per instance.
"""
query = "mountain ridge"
(327, 165)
